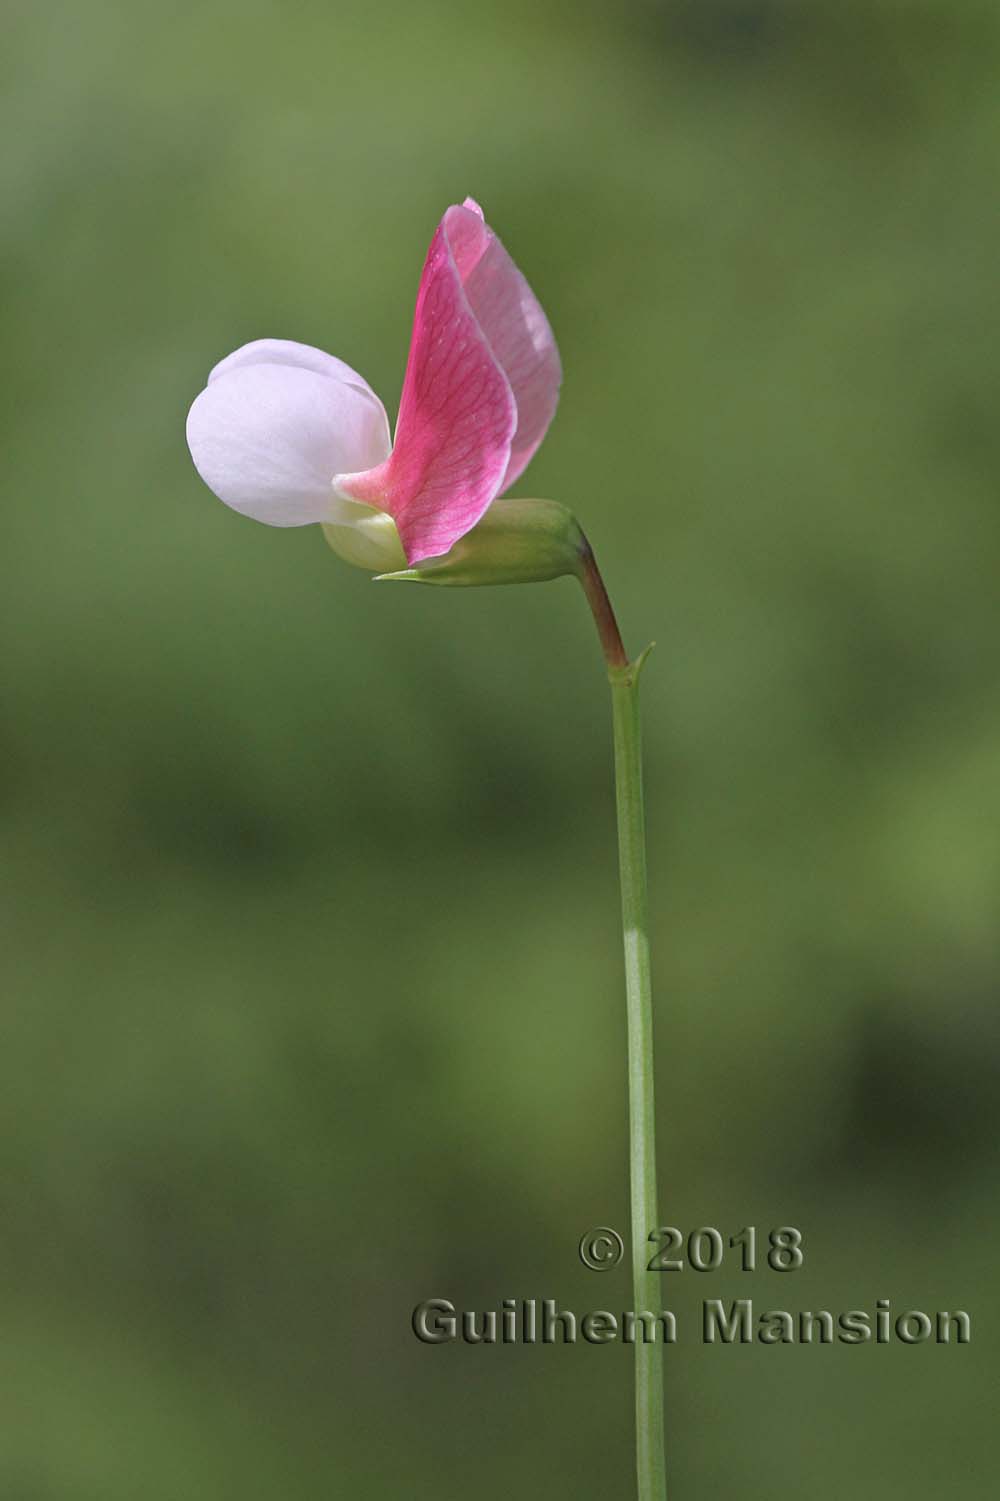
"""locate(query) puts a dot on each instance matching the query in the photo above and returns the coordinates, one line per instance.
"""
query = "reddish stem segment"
(604, 615)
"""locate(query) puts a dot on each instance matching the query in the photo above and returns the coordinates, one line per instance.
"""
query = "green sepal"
(516, 542)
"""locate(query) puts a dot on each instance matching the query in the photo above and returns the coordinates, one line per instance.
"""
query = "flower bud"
(515, 542)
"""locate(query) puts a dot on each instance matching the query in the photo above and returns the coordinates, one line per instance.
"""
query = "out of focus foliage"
(311, 981)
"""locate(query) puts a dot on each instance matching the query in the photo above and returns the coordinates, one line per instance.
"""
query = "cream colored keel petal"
(364, 536)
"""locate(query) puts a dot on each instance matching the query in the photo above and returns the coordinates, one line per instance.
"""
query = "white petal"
(268, 440)
(287, 352)
(304, 356)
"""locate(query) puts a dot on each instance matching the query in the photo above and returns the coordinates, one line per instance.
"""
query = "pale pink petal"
(456, 420)
(304, 357)
(288, 352)
(268, 439)
(517, 330)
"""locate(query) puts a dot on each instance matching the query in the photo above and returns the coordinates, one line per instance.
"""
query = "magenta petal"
(456, 421)
(517, 330)
(481, 387)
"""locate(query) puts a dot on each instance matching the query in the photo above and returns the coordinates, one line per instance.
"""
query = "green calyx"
(516, 542)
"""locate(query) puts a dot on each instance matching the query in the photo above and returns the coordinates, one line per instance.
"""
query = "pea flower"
(291, 436)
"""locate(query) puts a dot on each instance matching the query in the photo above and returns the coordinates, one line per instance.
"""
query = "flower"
(291, 436)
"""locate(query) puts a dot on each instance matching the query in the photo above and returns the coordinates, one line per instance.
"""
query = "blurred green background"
(312, 996)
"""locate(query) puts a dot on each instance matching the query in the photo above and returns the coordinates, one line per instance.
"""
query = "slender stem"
(624, 678)
(642, 1116)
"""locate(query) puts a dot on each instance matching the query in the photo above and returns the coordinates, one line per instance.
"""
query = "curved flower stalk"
(294, 437)
(291, 436)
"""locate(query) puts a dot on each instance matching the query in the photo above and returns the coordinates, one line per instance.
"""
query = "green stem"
(623, 676)
(642, 1114)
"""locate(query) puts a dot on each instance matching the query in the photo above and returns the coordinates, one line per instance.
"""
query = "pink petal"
(512, 320)
(456, 421)
(481, 386)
